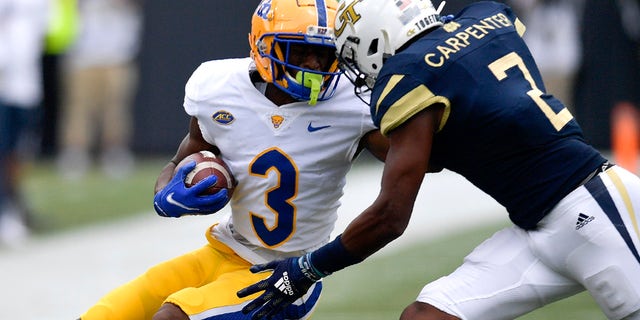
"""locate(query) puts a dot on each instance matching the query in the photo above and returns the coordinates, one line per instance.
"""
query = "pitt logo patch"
(277, 120)
(223, 117)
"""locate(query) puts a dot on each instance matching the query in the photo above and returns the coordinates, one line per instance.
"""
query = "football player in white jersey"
(289, 131)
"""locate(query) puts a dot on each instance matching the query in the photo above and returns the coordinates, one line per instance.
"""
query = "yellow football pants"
(199, 281)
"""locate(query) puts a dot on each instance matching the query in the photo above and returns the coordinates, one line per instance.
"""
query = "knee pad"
(611, 290)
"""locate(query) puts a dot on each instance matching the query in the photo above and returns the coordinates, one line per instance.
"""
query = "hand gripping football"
(208, 164)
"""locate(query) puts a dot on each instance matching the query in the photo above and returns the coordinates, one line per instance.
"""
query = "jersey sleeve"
(399, 97)
(192, 91)
(200, 91)
(206, 84)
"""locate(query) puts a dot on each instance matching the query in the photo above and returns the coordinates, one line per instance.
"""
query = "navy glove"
(290, 280)
(176, 199)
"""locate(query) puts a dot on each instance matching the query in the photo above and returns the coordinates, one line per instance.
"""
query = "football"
(208, 164)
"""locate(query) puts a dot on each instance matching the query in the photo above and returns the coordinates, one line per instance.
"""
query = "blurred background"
(103, 101)
(91, 103)
(585, 48)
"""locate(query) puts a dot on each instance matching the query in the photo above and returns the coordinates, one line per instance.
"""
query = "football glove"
(290, 280)
(176, 199)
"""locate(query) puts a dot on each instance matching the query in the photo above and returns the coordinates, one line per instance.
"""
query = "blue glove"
(290, 280)
(176, 199)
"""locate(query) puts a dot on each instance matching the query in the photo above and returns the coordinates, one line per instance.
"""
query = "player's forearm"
(367, 234)
(388, 216)
(373, 229)
(381, 223)
(167, 172)
(164, 177)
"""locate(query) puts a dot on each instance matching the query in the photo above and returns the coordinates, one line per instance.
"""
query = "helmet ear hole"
(373, 47)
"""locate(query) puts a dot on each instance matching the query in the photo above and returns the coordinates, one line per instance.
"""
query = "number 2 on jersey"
(499, 68)
(278, 199)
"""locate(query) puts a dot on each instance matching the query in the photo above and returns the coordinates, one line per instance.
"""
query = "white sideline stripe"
(59, 277)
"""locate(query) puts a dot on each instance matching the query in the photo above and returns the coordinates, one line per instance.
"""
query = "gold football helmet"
(279, 25)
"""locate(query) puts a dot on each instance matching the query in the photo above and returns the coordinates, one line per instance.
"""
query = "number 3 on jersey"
(499, 68)
(278, 199)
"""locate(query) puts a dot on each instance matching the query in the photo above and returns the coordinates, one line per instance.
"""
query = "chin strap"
(312, 81)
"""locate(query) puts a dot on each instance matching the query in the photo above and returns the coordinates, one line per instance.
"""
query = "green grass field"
(376, 289)
(60, 204)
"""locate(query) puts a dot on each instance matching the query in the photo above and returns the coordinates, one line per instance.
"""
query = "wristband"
(331, 257)
(308, 269)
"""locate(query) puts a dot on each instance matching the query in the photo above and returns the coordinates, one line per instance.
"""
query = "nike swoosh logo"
(311, 128)
(178, 204)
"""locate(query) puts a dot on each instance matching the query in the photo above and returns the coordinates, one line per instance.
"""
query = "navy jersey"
(500, 130)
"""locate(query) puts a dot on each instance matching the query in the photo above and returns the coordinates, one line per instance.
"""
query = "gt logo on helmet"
(347, 15)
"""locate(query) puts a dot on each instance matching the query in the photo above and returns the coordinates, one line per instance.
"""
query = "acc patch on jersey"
(223, 117)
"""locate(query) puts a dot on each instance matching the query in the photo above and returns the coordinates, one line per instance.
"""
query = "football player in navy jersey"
(463, 93)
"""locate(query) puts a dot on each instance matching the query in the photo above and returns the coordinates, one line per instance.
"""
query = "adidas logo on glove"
(283, 284)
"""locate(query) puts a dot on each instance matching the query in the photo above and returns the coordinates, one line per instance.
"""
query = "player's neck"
(277, 96)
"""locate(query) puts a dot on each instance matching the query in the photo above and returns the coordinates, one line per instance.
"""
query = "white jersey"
(290, 161)
(23, 24)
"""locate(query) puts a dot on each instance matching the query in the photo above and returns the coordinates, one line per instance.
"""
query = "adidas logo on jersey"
(583, 219)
